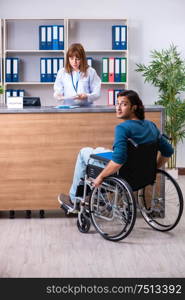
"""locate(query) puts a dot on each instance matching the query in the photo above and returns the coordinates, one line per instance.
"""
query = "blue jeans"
(80, 167)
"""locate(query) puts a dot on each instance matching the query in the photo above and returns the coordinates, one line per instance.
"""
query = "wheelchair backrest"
(140, 167)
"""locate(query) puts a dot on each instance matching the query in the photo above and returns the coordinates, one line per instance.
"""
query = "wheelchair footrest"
(70, 210)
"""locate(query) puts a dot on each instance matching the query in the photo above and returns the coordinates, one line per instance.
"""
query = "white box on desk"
(15, 102)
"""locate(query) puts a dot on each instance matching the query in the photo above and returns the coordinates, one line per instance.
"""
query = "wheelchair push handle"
(132, 142)
(167, 137)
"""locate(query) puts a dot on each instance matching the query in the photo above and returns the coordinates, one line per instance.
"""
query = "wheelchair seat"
(140, 167)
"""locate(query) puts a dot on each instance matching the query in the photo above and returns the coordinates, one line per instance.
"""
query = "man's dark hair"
(134, 100)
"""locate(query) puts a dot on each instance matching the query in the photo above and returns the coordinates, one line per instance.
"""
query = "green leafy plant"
(166, 71)
(1, 89)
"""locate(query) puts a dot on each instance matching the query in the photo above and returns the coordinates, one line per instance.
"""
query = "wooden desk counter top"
(53, 109)
(38, 151)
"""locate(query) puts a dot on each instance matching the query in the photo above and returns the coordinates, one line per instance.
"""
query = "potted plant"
(1, 92)
(1, 89)
(166, 71)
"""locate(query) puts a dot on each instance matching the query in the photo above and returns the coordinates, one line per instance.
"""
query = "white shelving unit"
(96, 37)
(1, 51)
(21, 39)
(1, 59)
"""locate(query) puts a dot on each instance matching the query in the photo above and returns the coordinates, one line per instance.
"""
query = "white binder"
(110, 97)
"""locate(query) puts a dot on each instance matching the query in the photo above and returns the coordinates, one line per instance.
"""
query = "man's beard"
(125, 117)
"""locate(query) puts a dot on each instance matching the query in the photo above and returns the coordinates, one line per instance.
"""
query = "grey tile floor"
(53, 247)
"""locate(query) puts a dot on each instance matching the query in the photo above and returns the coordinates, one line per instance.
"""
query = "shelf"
(98, 19)
(45, 83)
(113, 83)
(35, 19)
(1, 54)
(21, 39)
(28, 83)
(62, 51)
(34, 51)
(109, 51)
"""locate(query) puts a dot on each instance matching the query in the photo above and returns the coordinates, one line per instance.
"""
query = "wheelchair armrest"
(107, 156)
(101, 157)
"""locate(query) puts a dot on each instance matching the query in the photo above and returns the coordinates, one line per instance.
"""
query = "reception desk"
(39, 146)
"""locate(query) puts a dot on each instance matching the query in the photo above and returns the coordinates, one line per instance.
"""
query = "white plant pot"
(172, 172)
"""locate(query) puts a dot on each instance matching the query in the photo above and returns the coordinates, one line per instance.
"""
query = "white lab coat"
(90, 85)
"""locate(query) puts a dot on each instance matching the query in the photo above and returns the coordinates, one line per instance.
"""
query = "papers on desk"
(66, 106)
(60, 97)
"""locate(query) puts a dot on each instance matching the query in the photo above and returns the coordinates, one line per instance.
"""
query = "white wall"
(152, 25)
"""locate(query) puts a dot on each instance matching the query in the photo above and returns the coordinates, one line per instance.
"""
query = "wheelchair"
(139, 186)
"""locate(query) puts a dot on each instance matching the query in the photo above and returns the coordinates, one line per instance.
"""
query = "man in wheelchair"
(130, 109)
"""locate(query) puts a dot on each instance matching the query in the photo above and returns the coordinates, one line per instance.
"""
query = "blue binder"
(43, 75)
(8, 93)
(14, 93)
(15, 69)
(42, 37)
(20, 93)
(49, 71)
(117, 69)
(49, 44)
(60, 63)
(8, 69)
(55, 34)
(116, 91)
(55, 68)
(119, 37)
(60, 37)
(123, 37)
(116, 37)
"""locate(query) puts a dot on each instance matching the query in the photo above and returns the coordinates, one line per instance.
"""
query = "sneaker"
(65, 199)
(68, 205)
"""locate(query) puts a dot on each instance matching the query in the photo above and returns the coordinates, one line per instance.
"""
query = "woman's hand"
(58, 96)
(81, 97)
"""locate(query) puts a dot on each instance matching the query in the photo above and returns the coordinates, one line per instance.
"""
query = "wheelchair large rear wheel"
(161, 204)
(113, 209)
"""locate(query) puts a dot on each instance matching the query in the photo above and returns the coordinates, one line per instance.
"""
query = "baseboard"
(181, 171)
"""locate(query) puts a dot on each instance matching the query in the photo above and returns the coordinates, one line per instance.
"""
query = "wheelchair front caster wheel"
(65, 210)
(28, 214)
(42, 213)
(85, 224)
(11, 214)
